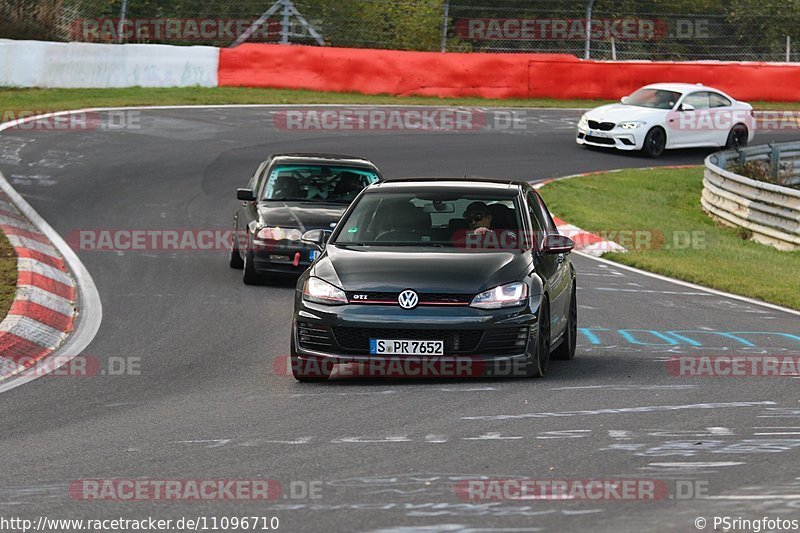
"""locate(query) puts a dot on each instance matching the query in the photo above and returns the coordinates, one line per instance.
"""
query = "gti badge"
(408, 299)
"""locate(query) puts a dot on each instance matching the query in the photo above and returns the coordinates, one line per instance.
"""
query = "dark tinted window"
(428, 218)
(323, 183)
(655, 98)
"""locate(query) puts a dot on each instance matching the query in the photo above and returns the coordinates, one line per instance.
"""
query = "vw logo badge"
(408, 299)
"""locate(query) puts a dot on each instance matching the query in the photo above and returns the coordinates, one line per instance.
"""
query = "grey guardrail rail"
(771, 212)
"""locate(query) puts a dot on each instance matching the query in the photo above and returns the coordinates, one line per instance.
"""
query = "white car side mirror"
(624, 100)
(687, 107)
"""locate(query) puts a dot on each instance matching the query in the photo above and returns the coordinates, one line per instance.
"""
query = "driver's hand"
(481, 231)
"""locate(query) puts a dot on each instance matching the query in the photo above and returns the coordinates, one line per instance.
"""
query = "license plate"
(405, 347)
(598, 133)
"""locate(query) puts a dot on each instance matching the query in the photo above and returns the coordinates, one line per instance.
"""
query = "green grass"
(8, 275)
(14, 100)
(668, 202)
(61, 99)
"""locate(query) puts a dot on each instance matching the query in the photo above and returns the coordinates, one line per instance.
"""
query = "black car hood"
(303, 215)
(449, 270)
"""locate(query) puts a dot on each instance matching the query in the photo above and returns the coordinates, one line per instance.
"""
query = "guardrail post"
(774, 161)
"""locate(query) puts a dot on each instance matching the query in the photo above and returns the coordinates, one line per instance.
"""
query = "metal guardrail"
(770, 211)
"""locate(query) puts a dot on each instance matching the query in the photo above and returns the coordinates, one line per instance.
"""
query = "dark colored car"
(444, 269)
(288, 195)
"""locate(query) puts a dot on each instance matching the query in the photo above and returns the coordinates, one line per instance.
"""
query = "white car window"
(699, 100)
(717, 100)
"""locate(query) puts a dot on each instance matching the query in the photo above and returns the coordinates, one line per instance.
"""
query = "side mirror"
(245, 195)
(687, 107)
(316, 237)
(624, 100)
(557, 244)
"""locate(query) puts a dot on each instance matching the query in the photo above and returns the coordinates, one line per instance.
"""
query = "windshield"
(316, 183)
(432, 219)
(654, 98)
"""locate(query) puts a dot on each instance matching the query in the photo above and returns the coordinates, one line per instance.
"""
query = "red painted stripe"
(15, 216)
(585, 239)
(33, 235)
(558, 221)
(21, 351)
(42, 314)
(42, 258)
(26, 277)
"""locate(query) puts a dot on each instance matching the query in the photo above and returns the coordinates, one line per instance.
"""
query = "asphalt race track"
(208, 402)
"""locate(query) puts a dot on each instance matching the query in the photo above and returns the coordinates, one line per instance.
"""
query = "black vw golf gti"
(438, 269)
(288, 195)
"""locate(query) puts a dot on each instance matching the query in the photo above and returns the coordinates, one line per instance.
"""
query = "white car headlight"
(509, 295)
(583, 121)
(278, 234)
(630, 125)
(320, 291)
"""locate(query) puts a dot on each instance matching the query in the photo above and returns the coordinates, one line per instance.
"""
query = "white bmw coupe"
(669, 115)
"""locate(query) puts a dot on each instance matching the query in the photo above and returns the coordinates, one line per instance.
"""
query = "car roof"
(477, 183)
(680, 87)
(322, 159)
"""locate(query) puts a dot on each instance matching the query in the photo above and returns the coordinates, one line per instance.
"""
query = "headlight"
(510, 295)
(279, 234)
(322, 292)
(630, 125)
(583, 121)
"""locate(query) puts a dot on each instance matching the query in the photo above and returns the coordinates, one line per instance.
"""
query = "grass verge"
(694, 248)
(13, 100)
(8, 275)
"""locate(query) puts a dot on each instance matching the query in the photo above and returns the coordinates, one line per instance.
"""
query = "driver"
(479, 218)
(348, 186)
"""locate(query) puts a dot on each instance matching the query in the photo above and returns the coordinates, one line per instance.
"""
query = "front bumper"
(340, 334)
(615, 138)
(286, 257)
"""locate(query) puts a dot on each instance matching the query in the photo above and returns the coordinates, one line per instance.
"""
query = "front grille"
(602, 126)
(313, 337)
(505, 341)
(356, 297)
(356, 340)
(600, 140)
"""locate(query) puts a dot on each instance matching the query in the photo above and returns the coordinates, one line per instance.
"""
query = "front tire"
(235, 260)
(540, 359)
(249, 274)
(566, 350)
(655, 142)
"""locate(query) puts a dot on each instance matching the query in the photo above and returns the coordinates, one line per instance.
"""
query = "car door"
(247, 213)
(551, 267)
(693, 128)
(725, 117)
